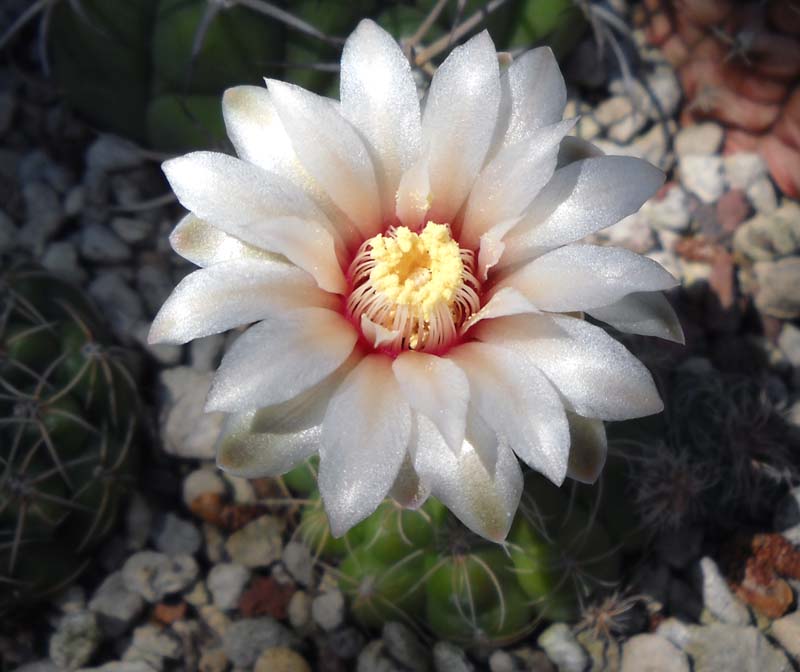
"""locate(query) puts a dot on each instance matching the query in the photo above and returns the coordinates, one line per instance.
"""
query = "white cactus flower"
(416, 300)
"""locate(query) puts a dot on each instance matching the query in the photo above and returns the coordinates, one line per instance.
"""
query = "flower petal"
(645, 313)
(484, 498)
(582, 277)
(576, 149)
(260, 208)
(533, 95)
(583, 197)
(595, 374)
(280, 358)
(506, 301)
(511, 180)
(409, 490)
(379, 97)
(414, 196)
(365, 434)
(331, 151)
(204, 245)
(492, 246)
(518, 402)
(437, 388)
(243, 453)
(588, 449)
(306, 409)
(458, 122)
(231, 294)
(257, 134)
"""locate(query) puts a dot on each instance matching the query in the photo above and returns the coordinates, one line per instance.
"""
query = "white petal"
(582, 277)
(645, 313)
(243, 453)
(588, 448)
(204, 245)
(437, 388)
(583, 197)
(365, 434)
(533, 95)
(492, 246)
(595, 374)
(331, 151)
(506, 301)
(280, 358)
(484, 499)
(233, 293)
(511, 180)
(409, 490)
(518, 402)
(414, 196)
(257, 134)
(306, 409)
(260, 208)
(379, 97)
(458, 122)
(576, 149)
(377, 335)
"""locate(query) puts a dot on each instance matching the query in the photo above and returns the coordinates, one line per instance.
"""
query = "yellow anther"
(417, 270)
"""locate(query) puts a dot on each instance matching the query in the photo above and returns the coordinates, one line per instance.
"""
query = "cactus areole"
(416, 302)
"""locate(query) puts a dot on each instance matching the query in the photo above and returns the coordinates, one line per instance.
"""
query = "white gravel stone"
(155, 575)
(76, 638)
(652, 653)
(257, 544)
(186, 431)
(299, 563)
(702, 175)
(786, 631)
(201, 482)
(717, 597)
(762, 196)
(116, 607)
(177, 536)
(700, 139)
(328, 610)
(102, 245)
(671, 212)
(563, 649)
(299, 610)
(226, 581)
(742, 169)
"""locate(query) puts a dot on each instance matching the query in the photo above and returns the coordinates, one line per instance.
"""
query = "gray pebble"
(151, 645)
(328, 610)
(375, 658)
(717, 597)
(729, 647)
(702, 175)
(176, 536)
(299, 610)
(43, 216)
(561, 646)
(61, 258)
(116, 607)
(110, 153)
(119, 303)
(502, 661)
(653, 653)
(102, 245)
(699, 139)
(132, 230)
(448, 657)
(257, 544)
(405, 647)
(201, 482)
(154, 285)
(121, 666)
(786, 631)
(226, 581)
(298, 562)
(155, 575)
(76, 638)
(245, 640)
(186, 431)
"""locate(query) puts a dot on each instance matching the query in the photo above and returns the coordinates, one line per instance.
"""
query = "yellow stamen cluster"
(418, 286)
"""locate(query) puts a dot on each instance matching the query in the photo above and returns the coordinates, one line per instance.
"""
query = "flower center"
(415, 288)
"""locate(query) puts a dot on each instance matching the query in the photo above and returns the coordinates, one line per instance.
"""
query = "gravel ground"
(173, 591)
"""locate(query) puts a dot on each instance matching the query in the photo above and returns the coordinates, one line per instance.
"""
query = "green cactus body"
(67, 439)
(135, 68)
(424, 567)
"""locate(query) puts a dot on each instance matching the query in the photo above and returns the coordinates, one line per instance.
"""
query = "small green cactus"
(154, 70)
(68, 423)
(424, 567)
